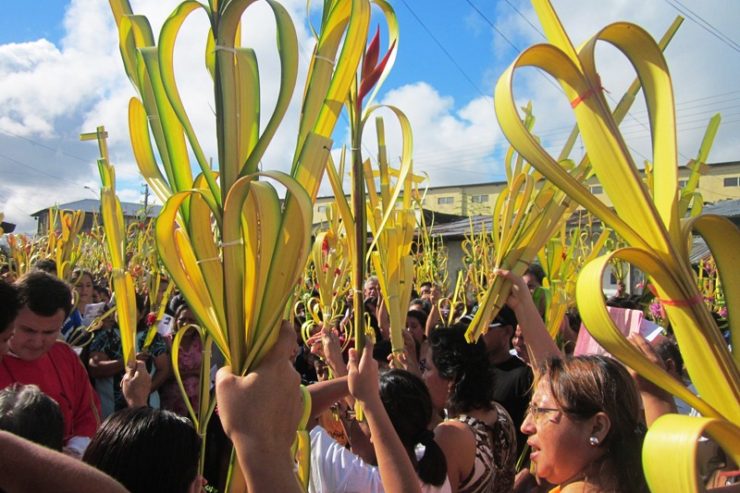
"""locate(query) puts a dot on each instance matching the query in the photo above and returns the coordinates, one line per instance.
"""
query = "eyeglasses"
(538, 412)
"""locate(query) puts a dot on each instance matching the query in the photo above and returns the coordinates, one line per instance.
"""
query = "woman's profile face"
(559, 445)
(439, 387)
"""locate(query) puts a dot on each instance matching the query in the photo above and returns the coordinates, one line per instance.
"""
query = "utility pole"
(146, 201)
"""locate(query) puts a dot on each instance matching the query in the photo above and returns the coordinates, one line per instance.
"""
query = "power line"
(520, 14)
(493, 26)
(701, 22)
(444, 50)
(42, 172)
(516, 48)
(45, 146)
(532, 25)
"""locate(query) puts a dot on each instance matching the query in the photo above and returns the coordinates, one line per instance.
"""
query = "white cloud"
(21, 57)
(452, 145)
(50, 93)
(701, 68)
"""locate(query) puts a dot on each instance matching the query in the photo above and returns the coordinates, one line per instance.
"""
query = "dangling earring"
(593, 441)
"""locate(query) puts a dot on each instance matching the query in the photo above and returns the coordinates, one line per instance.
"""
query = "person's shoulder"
(453, 432)
(503, 418)
(159, 345)
(62, 349)
(514, 363)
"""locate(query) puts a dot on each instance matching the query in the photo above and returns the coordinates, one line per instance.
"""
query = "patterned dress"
(495, 454)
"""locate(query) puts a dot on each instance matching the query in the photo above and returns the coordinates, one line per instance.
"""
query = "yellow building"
(719, 181)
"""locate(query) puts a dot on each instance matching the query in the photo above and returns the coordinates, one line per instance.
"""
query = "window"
(322, 209)
(732, 182)
(445, 200)
(682, 183)
(597, 189)
(479, 199)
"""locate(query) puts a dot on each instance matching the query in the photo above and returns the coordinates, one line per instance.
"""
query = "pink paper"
(627, 321)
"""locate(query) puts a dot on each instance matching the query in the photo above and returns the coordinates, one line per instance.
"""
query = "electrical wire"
(444, 50)
(706, 25)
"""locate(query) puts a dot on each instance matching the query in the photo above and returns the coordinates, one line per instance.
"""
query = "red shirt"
(60, 375)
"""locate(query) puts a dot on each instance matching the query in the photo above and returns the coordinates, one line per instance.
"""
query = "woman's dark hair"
(100, 289)
(409, 407)
(382, 350)
(147, 450)
(47, 265)
(10, 305)
(425, 304)
(668, 350)
(466, 365)
(420, 316)
(585, 385)
(537, 272)
(142, 309)
(29, 413)
(175, 302)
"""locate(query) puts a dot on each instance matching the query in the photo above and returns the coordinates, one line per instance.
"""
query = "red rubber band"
(690, 302)
(591, 92)
(584, 96)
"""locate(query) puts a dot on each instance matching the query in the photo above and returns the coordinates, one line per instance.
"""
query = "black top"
(513, 389)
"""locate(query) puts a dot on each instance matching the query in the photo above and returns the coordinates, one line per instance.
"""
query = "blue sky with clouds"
(60, 74)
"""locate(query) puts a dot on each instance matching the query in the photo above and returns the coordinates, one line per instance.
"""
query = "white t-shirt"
(335, 469)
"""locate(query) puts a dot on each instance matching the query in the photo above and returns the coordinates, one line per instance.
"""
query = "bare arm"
(655, 401)
(396, 470)
(458, 444)
(101, 366)
(533, 327)
(27, 466)
(162, 364)
(433, 318)
(262, 435)
(324, 394)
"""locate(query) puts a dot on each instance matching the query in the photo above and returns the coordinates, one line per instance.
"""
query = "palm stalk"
(518, 236)
(115, 233)
(233, 247)
(654, 231)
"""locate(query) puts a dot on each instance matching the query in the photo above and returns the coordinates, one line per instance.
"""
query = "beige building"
(719, 181)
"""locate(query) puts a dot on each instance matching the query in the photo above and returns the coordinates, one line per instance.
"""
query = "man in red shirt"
(37, 357)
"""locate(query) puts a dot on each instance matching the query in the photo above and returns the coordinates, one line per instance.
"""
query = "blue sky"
(60, 74)
(20, 23)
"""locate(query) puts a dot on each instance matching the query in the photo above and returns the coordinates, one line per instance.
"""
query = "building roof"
(461, 227)
(93, 206)
(727, 208)
(503, 181)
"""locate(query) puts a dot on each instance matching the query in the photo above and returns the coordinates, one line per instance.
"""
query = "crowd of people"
(512, 412)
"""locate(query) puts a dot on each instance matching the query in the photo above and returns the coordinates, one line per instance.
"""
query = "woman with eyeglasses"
(583, 426)
(477, 437)
(583, 422)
